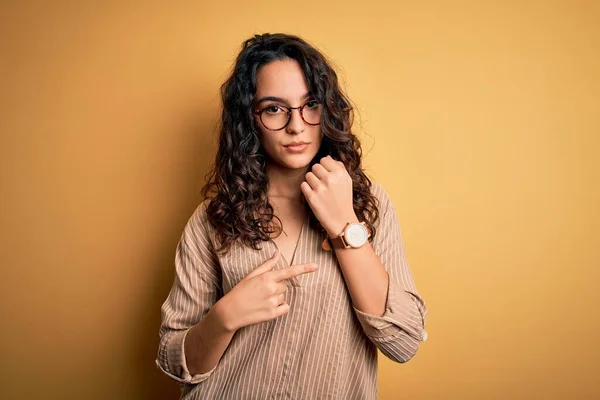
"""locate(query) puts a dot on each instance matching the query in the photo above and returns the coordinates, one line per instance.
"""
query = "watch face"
(356, 235)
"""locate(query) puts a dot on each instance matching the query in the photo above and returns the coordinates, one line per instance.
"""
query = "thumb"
(265, 267)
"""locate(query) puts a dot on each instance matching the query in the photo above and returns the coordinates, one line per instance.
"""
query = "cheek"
(264, 137)
(268, 142)
(317, 137)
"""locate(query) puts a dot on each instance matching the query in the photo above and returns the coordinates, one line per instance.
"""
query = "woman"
(292, 273)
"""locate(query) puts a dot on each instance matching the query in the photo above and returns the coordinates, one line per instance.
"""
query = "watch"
(354, 235)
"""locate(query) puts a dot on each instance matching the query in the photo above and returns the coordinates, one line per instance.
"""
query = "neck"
(285, 182)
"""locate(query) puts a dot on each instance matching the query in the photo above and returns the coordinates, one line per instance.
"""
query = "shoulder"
(201, 214)
(383, 199)
(197, 228)
(199, 217)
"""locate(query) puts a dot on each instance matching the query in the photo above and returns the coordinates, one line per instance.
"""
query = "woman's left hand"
(328, 190)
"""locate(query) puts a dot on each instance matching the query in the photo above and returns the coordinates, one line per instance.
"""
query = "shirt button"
(424, 336)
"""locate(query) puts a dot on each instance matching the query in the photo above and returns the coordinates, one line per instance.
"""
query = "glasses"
(276, 117)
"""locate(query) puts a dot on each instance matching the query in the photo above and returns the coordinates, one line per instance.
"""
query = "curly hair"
(236, 186)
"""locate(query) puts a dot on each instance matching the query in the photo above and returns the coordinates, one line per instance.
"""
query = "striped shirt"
(323, 348)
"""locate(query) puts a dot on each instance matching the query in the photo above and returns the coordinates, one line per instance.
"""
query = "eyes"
(277, 109)
(274, 110)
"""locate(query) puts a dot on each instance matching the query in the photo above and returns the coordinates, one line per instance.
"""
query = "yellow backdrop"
(480, 118)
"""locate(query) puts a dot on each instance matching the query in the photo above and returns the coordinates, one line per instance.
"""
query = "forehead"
(281, 78)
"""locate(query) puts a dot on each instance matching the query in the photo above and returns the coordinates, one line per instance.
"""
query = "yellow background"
(480, 118)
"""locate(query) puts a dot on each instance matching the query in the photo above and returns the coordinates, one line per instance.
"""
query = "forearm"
(387, 313)
(385, 299)
(366, 278)
(207, 341)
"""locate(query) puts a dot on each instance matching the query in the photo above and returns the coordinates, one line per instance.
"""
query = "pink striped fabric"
(324, 348)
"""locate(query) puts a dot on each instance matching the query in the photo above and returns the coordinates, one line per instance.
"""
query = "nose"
(296, 124)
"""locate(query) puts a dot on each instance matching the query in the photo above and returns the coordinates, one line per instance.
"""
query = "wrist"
(222, 317)
(336, 228)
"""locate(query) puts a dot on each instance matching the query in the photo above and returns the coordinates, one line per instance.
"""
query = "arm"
(386, 301)
(378, 277)
(206, 342)
(192, 339)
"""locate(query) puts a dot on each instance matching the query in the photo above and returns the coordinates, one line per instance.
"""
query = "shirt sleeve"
(399, 332)
(196, 288)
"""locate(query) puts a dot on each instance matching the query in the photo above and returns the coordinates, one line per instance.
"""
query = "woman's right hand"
(260, 296)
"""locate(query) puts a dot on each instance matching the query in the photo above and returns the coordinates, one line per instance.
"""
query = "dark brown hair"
(239, 208)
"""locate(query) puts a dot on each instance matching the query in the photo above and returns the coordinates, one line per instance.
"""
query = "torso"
(319, 344)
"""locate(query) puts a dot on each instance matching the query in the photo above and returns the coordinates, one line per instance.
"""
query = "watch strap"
(339, 242)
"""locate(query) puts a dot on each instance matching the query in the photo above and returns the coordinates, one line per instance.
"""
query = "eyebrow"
(279, 99)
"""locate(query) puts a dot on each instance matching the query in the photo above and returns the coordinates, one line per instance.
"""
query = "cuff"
(401, 314)
(177, 362)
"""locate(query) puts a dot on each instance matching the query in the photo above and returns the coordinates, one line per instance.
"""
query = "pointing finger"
(265, 267)
(294, 270)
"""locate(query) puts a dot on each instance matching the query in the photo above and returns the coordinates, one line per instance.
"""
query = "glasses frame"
(289, 114)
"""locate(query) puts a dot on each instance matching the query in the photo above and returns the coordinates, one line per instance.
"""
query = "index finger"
(294, 270)
(329, 163)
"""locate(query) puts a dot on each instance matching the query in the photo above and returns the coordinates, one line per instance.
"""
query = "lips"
(295, 144)
(296, 147)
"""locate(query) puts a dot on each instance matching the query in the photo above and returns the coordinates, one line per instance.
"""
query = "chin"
(296, 162)
(293, 161)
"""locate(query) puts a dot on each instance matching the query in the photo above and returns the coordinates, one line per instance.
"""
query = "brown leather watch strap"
(338, 243)
(335, 243)
(332, 243)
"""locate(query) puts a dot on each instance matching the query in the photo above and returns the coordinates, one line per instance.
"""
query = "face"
(282, 84)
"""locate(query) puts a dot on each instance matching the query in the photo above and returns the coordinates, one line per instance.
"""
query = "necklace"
(286, 235)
